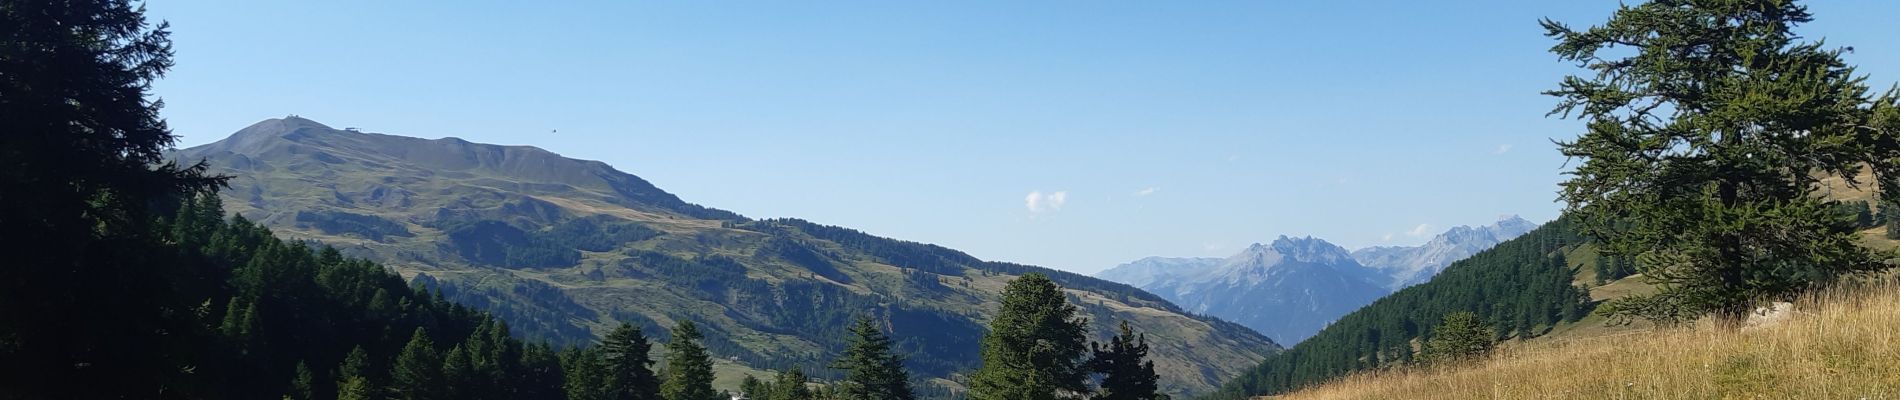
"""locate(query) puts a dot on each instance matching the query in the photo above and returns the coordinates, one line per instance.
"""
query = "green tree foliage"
(629, 367)
(418, 373)
(1518, 280)
(1034, 347)
(872, 371)
(689, 372)
(1708, 125)
(1890, 216)
(753, 388)
(459, 379)
(1610, 268)
(356, 388)
(1462, 336)
(586, 377)
(93, 303)
(790, 385)
(303, 386)
(1126, 372)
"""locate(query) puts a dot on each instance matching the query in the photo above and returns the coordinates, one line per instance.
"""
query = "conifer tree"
(629, 367)
(872, 371)
(586, 375)
(1126, 373)
(539, 374)
(1460, 336)
(353, 376)
(689, 372)
(355, 387)
(755, 389)
(459, 379)
(1034, 347)
(1890, 213)
(355, 363)
(1709, 125)
(790, 385)
(302, 383)
(93, 304)
(418, 373)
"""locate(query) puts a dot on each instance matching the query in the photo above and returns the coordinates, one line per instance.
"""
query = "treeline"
(1518, 289)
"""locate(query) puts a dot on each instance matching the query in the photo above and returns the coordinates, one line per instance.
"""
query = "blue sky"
(1070, 134)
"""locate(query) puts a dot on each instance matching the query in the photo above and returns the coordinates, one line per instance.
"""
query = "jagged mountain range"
(563, 249)
(1291, 288)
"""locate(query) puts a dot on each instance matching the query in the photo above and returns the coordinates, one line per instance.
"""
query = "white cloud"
(1502, 148)
(1148, 191)
(1420, 230)
(1388, 237)
(1037, 201)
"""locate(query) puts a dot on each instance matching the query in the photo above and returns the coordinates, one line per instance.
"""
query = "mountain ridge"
(1290, 306)
(564, 248)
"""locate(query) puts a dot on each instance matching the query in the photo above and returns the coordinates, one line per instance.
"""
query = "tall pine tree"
(689, 373)
(92, 303)
(1034, 347)
(629, 367)
(585, 375)
(1126, 372)
(1709, 126)
(872, 371)
(418, 373)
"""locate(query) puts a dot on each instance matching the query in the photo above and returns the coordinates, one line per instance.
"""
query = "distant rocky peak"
(1512, 226)
(1304, 249)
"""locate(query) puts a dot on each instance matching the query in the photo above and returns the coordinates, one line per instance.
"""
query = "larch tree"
(1126, 372)
(81, 167)
(1035, 345)
(1708, 126)
(871, 370)
(689, 372)
(418, 372)
(629, 367)
(585, 375)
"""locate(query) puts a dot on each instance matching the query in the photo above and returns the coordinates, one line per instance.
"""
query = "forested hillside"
(566, 249)
(1521, 288)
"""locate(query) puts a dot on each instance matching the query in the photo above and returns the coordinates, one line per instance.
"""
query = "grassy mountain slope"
(563, 248)
(1840, 345)
(1349, 356)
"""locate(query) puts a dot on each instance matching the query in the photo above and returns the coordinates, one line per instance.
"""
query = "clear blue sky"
(1139, 127)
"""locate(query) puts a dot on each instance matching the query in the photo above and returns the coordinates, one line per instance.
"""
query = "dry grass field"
(1844, 344)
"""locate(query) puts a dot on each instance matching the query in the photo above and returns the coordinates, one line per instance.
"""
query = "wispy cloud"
(1502, 148)
(1037, 201)
(1388, 237)
(1148, 191)
(1420, 230)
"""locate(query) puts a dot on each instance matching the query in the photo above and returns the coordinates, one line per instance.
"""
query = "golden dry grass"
(1841, 345)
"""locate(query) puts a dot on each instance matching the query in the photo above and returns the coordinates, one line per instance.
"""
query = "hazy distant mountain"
(1292, 288)
(1147, 272)
(563, 248)
(1287, 290)
(1411, 265)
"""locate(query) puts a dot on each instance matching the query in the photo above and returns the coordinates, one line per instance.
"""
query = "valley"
(564, 249)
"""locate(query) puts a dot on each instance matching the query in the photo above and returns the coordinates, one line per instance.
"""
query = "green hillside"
(563, 249)
(1523, 288)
